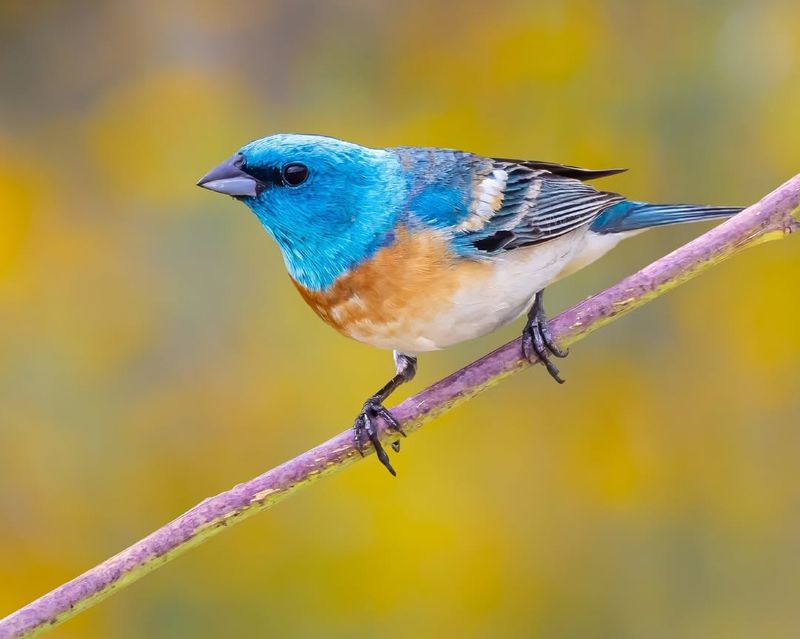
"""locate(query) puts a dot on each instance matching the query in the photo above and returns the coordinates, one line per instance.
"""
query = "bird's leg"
(537, 339)
(406, 367)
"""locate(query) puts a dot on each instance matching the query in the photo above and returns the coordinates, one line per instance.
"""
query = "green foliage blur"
(153, 352)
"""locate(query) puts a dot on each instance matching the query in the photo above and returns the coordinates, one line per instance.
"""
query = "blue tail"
(632, 216)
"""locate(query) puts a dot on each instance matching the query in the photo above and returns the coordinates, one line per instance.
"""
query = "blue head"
(329, 204)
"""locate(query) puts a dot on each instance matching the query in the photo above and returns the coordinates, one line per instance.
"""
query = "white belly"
(482, 304)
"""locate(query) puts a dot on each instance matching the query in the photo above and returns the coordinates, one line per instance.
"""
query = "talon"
(364, 425)
(537, 339)
(553, 370)
(383, 457)
(549, 341)
(358, 434)
(391, 421)
(406, 367)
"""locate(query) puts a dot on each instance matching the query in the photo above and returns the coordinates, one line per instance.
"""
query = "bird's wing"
(564, 170)
(517, 204)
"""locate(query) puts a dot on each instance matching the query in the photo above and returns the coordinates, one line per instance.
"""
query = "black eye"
(294, 174)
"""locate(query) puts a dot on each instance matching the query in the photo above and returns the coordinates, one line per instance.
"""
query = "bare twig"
(775, 216)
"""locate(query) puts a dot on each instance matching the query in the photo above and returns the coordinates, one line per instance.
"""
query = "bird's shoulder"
(491, 204)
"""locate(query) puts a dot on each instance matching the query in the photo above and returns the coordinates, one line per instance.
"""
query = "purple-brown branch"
(775, 216)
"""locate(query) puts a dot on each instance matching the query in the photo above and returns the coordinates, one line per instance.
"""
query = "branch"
(774, 217)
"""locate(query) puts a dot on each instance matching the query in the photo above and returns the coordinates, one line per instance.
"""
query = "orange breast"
(401, 289)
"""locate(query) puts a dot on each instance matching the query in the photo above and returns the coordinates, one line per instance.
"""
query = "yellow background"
(153, 351)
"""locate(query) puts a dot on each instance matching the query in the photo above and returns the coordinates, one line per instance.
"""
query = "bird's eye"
(294, 174)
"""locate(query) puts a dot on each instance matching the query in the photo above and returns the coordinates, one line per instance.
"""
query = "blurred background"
(153, 351)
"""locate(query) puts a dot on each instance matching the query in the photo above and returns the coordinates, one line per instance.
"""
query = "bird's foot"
(538, 341)
(366, 428)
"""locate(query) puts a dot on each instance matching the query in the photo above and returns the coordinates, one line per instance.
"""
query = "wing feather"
(564, 170)
(538, 202)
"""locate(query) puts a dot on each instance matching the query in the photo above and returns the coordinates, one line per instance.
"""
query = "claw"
(358, 434)
(538, 341)
(549, 340)
(364, 424)
(406, 367)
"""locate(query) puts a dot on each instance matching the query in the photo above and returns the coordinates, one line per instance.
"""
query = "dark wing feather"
(537, 206)
(564, 170)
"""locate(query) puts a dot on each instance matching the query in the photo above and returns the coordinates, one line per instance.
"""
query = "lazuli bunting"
(416, 249)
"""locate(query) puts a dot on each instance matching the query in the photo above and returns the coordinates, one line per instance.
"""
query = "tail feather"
(632, 216)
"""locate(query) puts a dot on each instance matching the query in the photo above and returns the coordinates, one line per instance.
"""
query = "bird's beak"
(230, 179)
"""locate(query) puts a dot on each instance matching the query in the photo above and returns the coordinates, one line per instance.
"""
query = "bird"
(415, 249)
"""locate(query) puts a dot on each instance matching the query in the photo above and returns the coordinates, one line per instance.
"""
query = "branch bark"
(775, 216)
